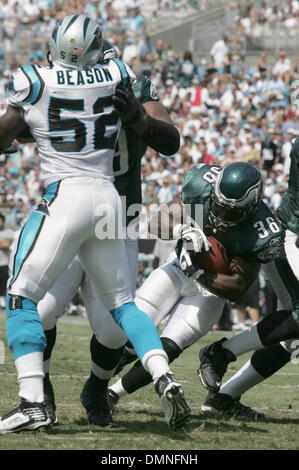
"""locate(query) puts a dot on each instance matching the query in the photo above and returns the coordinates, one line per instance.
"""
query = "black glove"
(128, 106)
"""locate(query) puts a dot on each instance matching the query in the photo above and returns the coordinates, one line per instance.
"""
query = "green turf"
(138, 419)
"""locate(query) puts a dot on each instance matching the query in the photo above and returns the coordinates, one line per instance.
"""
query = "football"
(215, 260)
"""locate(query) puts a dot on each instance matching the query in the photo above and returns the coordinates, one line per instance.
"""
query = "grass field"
(138, 420)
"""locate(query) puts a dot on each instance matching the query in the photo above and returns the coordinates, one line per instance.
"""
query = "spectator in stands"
(220, 53)
(187, 70)
(146, 50)
(136, 22)
(130, 51)
(282, 68)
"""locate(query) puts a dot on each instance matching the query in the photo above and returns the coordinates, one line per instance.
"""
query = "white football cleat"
(27, 416)
(176, 409)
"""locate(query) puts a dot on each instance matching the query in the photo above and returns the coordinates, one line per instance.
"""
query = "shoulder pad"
(26, 86)
(19, 88)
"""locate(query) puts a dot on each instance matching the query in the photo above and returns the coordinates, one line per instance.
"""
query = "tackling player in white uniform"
(70, 110)
(105, 351)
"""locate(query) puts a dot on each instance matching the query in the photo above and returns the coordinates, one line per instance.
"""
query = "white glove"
(187, 265)
(194, 237)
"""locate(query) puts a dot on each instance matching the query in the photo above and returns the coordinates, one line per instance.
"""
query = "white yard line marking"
(60, 438)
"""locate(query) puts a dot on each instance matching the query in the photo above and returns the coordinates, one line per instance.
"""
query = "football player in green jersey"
(284, 277)
(233, 212)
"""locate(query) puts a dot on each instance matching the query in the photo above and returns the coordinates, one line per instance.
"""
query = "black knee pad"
(171, 348)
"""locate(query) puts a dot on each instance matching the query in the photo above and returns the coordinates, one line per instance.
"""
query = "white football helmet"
(76, 42)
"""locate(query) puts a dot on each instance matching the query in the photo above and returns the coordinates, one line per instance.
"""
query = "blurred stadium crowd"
(225, 107)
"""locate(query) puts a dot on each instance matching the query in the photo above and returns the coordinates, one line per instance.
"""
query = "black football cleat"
(96, 405)
(221, 404)
(214, 360)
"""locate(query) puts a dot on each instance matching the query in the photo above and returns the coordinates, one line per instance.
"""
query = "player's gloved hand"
(194, 237)
(188, 263)
(128, 106)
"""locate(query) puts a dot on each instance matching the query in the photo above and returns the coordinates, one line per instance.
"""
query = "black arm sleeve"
(161, 136)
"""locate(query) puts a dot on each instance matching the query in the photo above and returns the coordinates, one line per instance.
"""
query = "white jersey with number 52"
(72, 117)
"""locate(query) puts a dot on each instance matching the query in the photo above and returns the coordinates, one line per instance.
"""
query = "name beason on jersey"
(71, 77)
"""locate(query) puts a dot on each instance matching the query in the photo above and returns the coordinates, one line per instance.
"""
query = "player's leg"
(44, 250)
(282, 325)
(50, 309)
(138, 327)
(105, 350)
(106, 347)
(129, 354)
(191, 318)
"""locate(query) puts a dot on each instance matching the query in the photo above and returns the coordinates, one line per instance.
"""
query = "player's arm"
(169, 223)
(25, 136)
(169, 215)
(11, 124)
(242, 273)
(150, 121)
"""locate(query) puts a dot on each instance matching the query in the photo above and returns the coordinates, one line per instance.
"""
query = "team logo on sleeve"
(153, 93)
(272, 251)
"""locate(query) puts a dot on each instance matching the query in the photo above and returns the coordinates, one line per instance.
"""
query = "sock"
(262, 365)
(246, 378)
(103, 360)
(269, 360)
(138, 327)
(277, 327)
(51, 340)
(138, 377)
(30, 376)
(118, 388)
(100, 385)
(243, 342)
(156, 363)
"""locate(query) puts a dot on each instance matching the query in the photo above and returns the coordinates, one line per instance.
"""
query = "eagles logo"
(153, 93)
(273, 251)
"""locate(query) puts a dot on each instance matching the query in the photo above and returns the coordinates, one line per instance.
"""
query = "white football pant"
(72, 228)
(193, 309)
(53, 305)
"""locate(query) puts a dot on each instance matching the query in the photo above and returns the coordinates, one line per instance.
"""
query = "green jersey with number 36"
(129, 151)
(288, 211)
(258, 238)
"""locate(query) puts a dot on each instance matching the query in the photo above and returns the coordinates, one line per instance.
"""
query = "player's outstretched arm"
(232, 286)
(150, 121)
(11, 124)
(169, 215)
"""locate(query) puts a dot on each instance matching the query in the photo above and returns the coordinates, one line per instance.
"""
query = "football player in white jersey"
(70, 110)
(105, 352)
